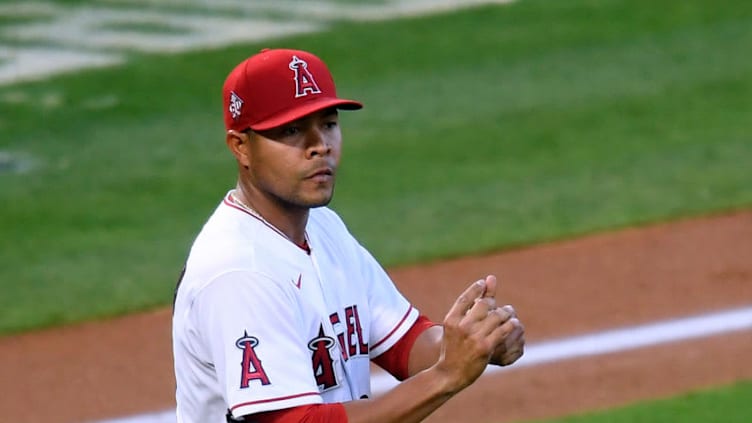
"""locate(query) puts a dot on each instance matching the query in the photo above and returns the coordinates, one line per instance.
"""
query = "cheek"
(281, 168)
(336, 145)
(270, 155)
(336, 152)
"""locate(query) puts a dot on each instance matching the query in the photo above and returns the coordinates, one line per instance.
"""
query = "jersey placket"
(339, 354)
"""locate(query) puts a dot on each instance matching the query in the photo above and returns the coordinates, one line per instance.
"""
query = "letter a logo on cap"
(304, 82)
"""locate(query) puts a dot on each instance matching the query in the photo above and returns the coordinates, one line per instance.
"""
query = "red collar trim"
(305, 247)
(228, 202)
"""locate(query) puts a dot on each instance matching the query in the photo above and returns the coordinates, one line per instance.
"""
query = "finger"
(489, 294)
(484, 309)
(503, 314)
(491, 284)
(512, 345)
(517, 334)
(466, 300)
(511, 356)
(514, 352)
(488, 301)
(480, 309)
(509, 309)
(501, 329)
(497, 337)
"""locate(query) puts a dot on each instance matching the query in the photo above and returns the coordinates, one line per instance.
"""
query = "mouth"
(321, 174)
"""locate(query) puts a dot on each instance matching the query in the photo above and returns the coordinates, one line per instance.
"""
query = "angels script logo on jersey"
(304, 82)
(351, 340)
(236, 105)
(251, 368)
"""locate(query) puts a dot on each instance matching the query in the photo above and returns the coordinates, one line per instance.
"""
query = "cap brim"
(304, 110)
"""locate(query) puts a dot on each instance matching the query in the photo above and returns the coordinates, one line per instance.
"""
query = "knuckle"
(450, 322)
(466, 326)
(507, 327)
(501, 314)
(485, 346)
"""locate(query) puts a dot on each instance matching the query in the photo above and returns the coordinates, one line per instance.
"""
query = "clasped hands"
(477, 332)
(512, 347)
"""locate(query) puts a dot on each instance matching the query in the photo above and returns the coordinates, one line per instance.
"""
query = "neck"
(290, 221)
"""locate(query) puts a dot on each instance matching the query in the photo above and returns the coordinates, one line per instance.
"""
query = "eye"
(331, 124)
(289, 131)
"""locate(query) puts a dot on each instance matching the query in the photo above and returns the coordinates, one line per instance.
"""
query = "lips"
(321, 174)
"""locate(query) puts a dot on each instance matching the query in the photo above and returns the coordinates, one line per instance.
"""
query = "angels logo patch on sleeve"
(251, 367)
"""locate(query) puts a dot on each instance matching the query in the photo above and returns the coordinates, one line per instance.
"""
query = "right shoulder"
(227, 246)
(230, 282)
(229, 239)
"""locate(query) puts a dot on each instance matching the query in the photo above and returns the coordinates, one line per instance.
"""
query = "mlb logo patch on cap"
(236, 105)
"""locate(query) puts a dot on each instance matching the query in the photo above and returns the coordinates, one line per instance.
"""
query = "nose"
(318, 143)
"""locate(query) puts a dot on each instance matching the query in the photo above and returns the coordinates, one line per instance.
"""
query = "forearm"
(444, 359)
(410, 401)
(426, 350)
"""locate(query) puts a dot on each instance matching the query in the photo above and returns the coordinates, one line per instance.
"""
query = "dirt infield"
(122, 367)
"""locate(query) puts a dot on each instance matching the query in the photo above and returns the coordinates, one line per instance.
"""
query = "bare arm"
(444, 361)
(426, 350)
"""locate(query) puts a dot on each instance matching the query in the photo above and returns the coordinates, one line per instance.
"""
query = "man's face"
(294, 165)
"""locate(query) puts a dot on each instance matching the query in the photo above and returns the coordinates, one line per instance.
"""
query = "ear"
(238, 143)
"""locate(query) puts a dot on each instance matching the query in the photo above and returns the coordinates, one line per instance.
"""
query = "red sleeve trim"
(306, 394)
(395, 359)
(314, 413)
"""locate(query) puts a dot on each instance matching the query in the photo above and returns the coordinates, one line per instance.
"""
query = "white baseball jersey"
(261, 324)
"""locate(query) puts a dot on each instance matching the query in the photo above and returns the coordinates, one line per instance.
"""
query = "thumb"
(491, 284)
(466, 300)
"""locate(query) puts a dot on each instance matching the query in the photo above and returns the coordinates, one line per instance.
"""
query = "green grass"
(482, 130)
(724, 405)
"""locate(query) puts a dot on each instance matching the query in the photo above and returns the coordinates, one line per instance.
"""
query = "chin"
(321, 203)
(313, 198)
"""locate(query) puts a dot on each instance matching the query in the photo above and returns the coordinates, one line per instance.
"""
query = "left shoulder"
(326, 228)
(326, 218)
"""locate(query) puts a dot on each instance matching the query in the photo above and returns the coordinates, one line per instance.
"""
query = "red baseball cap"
(278, 86)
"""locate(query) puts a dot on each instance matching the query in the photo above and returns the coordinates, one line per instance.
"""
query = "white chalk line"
(93, 35)
(593, 344)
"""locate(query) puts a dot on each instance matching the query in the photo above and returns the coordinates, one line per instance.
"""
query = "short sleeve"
(392, 315)
(255, 339)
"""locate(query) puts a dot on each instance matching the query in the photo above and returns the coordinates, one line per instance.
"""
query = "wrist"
(444, 380)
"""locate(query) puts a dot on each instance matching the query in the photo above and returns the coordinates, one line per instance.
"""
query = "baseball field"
(596, 155)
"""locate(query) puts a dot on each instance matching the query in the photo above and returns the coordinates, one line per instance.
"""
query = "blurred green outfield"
(483, 130)
(726, 405)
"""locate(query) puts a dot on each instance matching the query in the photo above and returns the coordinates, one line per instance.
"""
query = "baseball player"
(279, 310)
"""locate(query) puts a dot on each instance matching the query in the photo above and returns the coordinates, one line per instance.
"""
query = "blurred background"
(489, 126)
